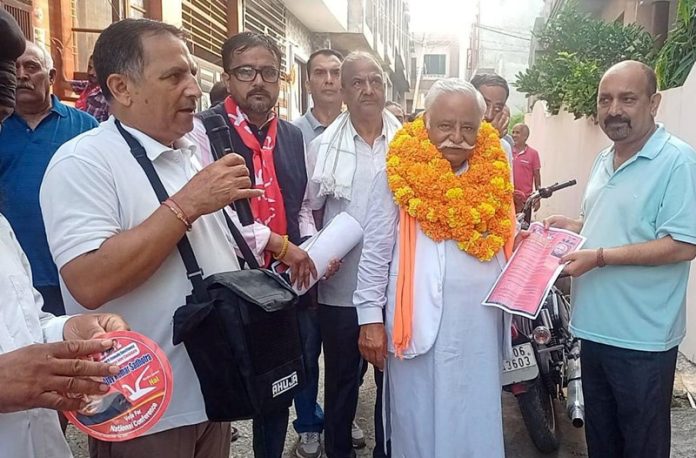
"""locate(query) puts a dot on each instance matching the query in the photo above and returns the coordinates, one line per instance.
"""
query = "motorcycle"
(545, 358)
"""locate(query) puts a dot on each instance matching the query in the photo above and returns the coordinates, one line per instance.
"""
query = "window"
(370, 15)
(434, 65)
(21, 11)
(137, 9)
(90, 17)
(206, 21)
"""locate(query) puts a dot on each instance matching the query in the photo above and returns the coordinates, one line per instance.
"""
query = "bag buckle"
(193, 274)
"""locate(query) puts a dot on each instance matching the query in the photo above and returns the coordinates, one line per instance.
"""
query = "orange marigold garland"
(473, 208)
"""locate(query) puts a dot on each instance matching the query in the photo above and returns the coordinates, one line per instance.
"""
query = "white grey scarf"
(337, 158)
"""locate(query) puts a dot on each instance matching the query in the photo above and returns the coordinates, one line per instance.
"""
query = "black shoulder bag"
(240, 328)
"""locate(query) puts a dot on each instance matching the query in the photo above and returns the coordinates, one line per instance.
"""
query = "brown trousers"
(204, 440)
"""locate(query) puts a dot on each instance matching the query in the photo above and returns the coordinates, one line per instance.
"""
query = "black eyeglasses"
(247, 73)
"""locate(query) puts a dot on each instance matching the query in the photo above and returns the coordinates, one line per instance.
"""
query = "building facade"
(434, 57)
(655, 16)
(69, 29)
(501, 43)
(380, 27)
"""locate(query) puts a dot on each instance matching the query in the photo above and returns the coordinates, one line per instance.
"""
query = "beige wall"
(568, 147)
(634, 11)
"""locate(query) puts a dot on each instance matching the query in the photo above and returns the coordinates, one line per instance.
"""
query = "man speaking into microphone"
(115, 243)
(274, 153)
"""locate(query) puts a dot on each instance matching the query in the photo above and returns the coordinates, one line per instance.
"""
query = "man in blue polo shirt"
(28, 140)
(629, 289)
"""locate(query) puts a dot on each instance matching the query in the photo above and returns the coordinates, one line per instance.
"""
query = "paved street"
(517, 442)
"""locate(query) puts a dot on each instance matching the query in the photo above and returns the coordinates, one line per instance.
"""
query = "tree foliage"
(575, 50)
(678, 54)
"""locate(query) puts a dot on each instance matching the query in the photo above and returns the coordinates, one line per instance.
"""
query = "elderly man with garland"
(437, 234)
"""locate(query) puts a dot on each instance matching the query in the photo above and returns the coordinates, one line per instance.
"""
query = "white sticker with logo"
(284, 384)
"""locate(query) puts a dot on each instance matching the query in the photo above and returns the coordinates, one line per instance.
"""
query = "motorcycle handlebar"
(546, 192)
(542, 193)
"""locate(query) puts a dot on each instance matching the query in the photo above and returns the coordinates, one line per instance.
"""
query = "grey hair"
(454, 86)
(357, 56)
(119, 49)
(46, 56)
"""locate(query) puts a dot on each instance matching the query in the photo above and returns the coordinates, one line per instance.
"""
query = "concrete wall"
(635, 11)
(568, 147)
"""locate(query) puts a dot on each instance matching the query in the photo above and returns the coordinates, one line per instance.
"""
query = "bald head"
(627, 103)
(523, 128)
(633, 68)
(520, 135)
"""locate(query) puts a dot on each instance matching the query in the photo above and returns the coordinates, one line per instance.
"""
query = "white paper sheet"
(334, 241)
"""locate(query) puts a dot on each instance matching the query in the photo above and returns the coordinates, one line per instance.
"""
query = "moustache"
(449, 144)
(253, 93)
(617, 120)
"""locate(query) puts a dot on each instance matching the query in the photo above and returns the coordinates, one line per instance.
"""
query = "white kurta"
(446, 402)
(443, 399)
(34, 432)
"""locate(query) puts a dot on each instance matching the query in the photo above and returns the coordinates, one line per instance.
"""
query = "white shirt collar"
(357, 135)
(153, 148)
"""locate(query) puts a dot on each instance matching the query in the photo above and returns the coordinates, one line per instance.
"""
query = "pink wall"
(568, 147)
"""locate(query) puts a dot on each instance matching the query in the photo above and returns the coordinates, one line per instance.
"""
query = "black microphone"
(219, 135)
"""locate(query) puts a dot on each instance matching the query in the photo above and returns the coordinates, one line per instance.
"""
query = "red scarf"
(268, 209)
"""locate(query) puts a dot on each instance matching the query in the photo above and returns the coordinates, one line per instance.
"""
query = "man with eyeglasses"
(342, 163)
(274, 153)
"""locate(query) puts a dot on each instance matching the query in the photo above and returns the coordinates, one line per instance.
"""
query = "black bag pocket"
(244, 344)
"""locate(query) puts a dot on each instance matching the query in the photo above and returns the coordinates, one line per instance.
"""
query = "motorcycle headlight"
(541, 335)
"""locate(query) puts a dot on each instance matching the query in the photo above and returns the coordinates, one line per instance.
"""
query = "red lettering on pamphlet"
(529, 275)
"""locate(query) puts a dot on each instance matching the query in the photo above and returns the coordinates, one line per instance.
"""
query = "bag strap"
(193, 270)
(248, 256)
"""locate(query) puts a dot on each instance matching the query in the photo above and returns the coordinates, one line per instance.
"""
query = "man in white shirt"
(323, 84)
(115, 243)
(342, 163)
(37, 366)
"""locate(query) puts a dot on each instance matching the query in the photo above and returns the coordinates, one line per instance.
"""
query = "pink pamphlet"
(529, 275)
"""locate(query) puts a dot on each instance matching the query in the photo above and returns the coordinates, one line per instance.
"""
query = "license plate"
(522, 358)
(521, 367)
